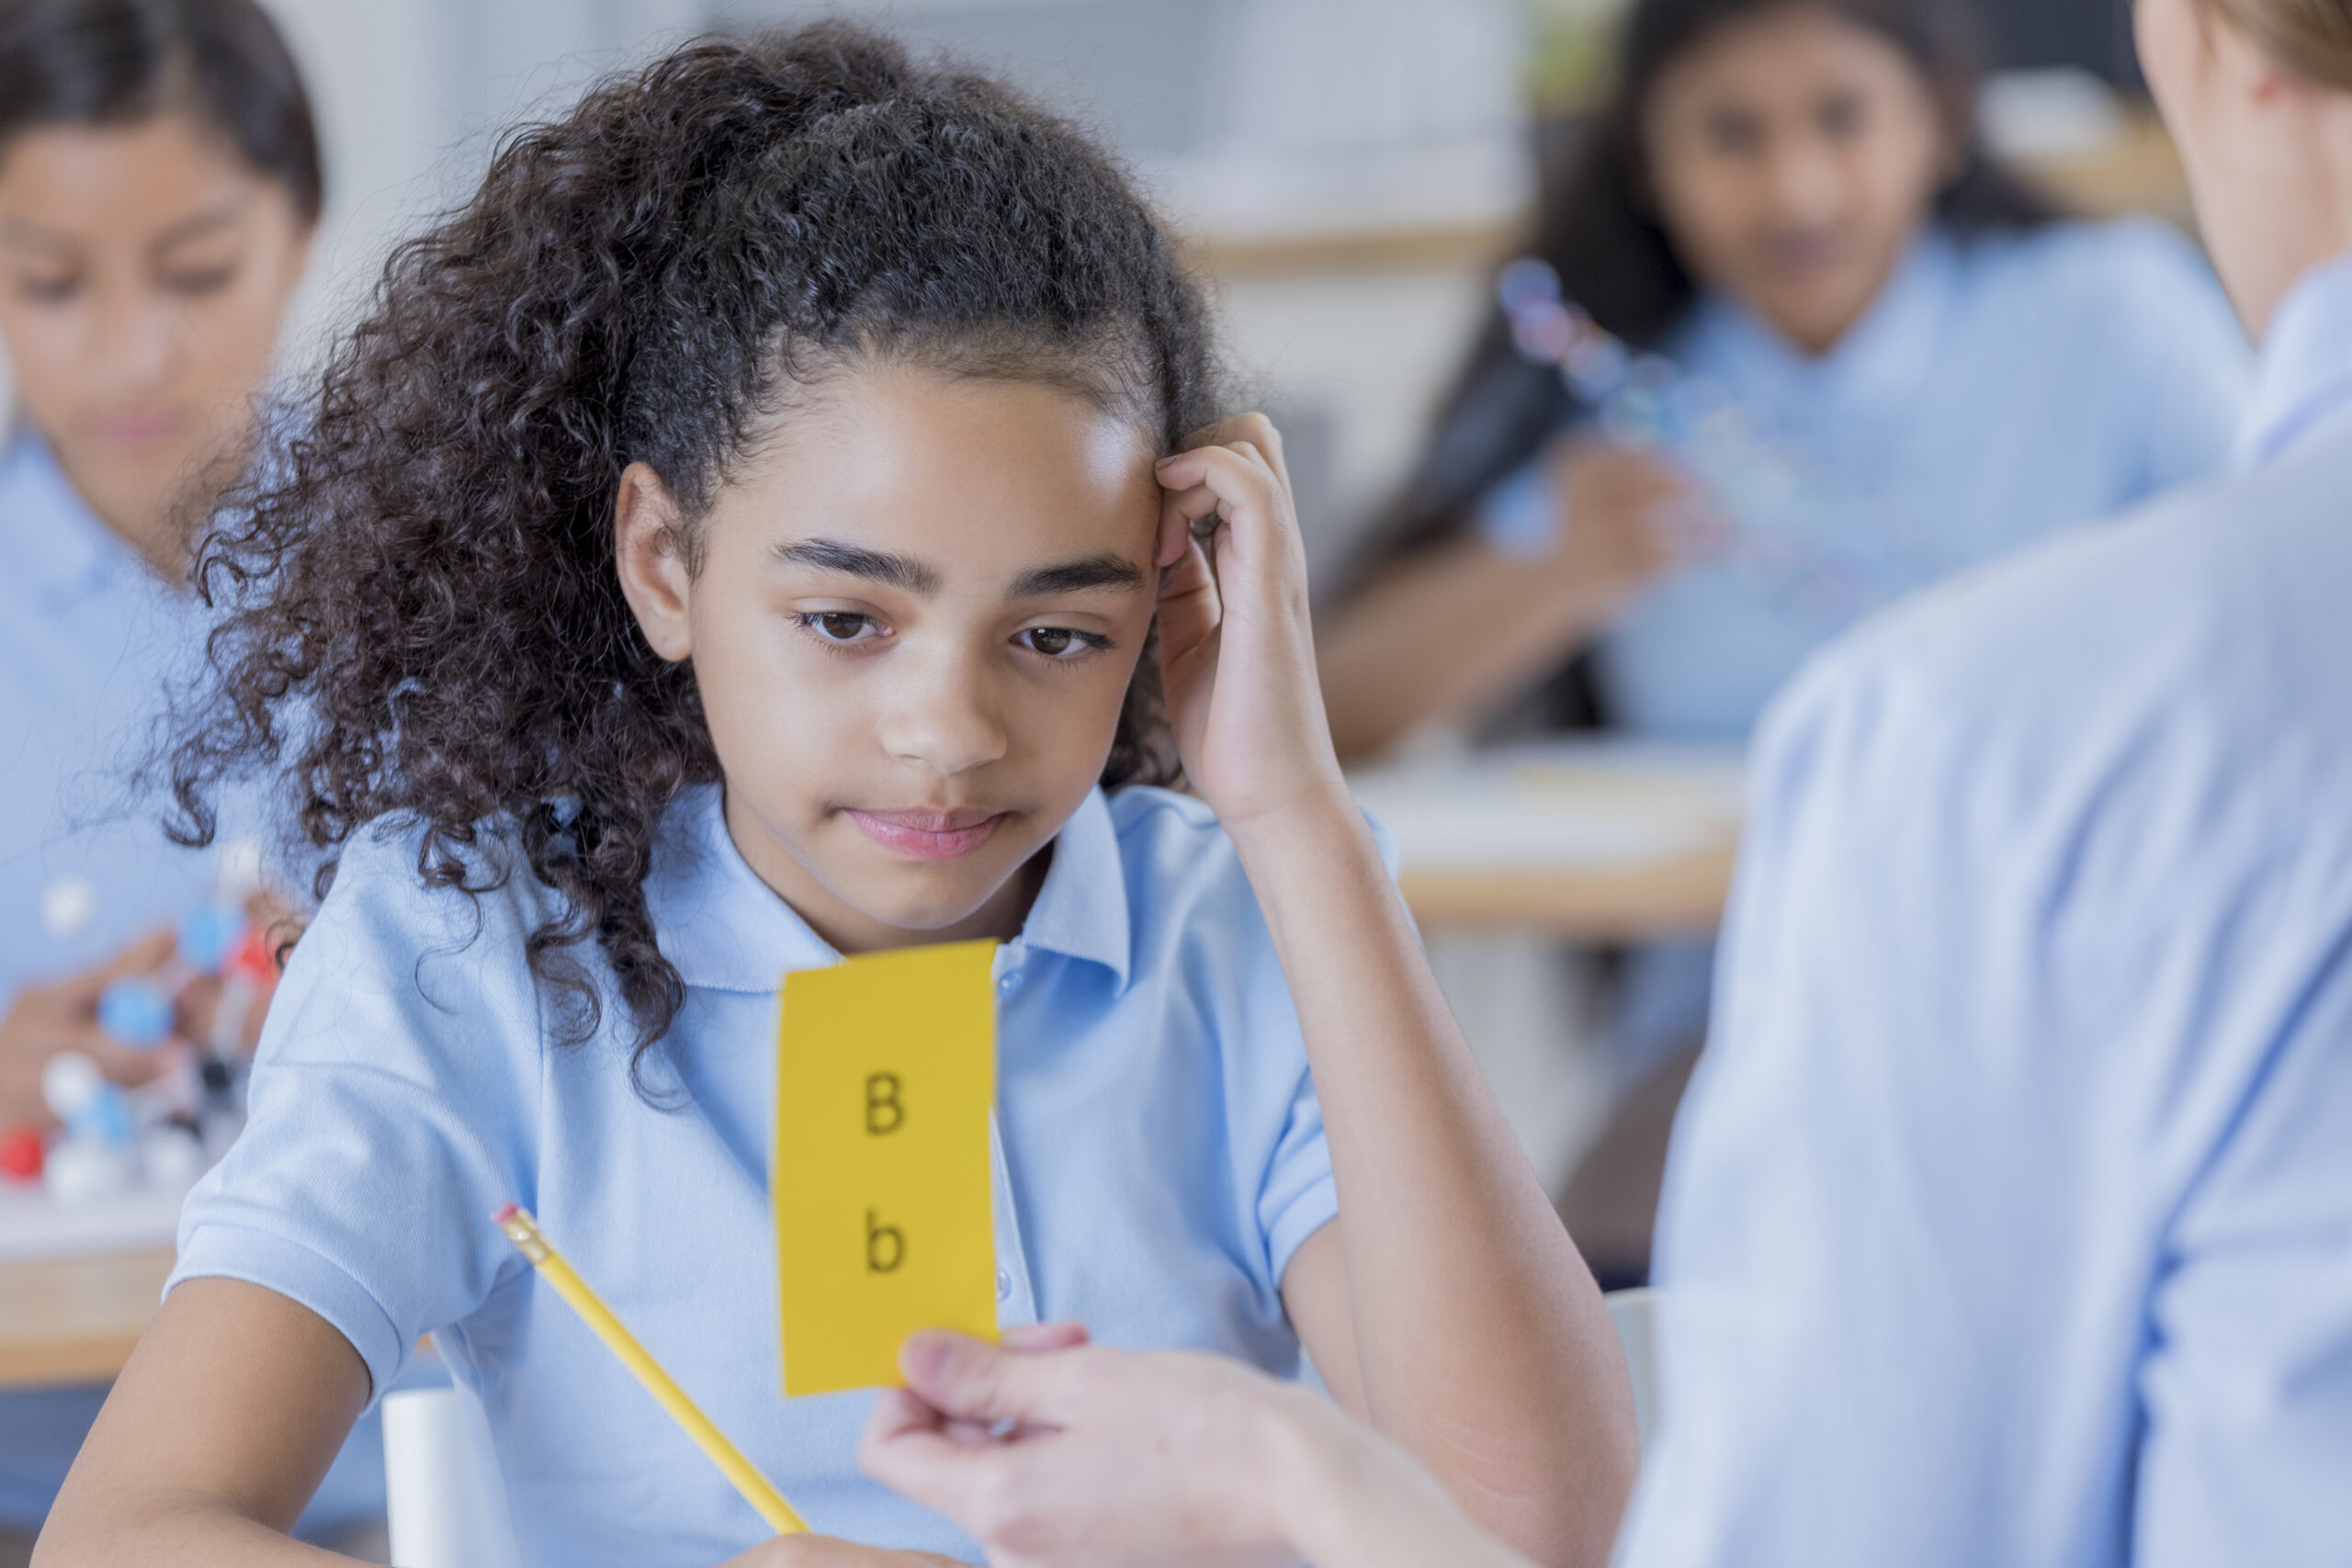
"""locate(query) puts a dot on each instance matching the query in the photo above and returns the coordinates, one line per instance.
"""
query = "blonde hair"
(2312, 38)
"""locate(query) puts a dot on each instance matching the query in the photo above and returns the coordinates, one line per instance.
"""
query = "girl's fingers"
(1180, 509)
(1247, 430)
(1190, 608)
(1239, 485)
(1236, 473)
(1175, 533)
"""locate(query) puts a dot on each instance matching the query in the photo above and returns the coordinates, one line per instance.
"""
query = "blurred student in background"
(159, 183)
(1789, 200)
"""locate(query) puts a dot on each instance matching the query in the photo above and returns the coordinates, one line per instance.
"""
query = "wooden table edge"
(76, 1320)
(1680, 896)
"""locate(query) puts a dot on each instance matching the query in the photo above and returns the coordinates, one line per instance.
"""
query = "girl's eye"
(49, 290)
(1731, 132)
(1059, 642)
(195, 281)
(1841, 117)
(841, 627)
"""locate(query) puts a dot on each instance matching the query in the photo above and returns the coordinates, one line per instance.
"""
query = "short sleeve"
(392, 1111)
(1298, 1197)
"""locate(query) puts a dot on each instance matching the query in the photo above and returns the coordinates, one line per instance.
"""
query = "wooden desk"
(69, 1320)
(1585, 841)
(1680, 896)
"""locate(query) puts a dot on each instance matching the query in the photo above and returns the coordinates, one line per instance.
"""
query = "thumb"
(968, 1380)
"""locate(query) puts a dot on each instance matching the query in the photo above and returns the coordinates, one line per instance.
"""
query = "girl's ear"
(648, 550)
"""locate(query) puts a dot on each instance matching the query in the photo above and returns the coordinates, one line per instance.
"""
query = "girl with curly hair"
(767, 522)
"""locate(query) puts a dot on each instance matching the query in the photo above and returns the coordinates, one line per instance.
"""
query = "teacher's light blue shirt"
(1163, 1157)
(2009, 1217)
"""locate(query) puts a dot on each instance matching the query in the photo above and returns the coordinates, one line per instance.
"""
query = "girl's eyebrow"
(1101, 570)
(1104, 570)
(197, 225)
(856, 560)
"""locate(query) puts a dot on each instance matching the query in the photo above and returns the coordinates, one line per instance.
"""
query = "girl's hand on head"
(1237, 651)
(1628, 519)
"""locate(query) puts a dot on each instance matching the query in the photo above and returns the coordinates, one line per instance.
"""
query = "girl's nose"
(942, 718)
(131, 342)
(1805, 182)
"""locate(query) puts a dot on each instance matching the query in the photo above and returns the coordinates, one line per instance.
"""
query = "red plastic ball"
(20, 1153)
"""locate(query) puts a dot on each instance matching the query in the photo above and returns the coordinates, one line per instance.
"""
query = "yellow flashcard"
(885, 1075)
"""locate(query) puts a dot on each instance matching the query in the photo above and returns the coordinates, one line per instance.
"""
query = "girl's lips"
(136, 428)
(928, 835)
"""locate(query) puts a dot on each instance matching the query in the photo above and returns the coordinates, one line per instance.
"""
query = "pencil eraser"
(506, 1213)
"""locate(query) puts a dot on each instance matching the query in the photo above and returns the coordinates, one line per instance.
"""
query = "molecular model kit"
(1798, 529)
(128, 1146)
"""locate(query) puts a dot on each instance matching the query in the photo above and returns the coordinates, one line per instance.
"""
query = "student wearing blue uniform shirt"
(2010, 1218)
(159, 181)
(1786, 199)
(782, 515)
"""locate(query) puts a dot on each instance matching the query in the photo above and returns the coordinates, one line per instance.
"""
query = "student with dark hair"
(1919, 368)
(159, 183)
(782, 515)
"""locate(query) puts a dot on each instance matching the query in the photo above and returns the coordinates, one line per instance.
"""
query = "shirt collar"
(727, 930)
(2304, 376)
(1885, 356)
(53, 537)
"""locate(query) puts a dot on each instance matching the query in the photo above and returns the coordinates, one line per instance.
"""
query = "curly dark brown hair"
(421, 621)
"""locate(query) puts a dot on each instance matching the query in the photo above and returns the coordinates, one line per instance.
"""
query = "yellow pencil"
(524, 1232)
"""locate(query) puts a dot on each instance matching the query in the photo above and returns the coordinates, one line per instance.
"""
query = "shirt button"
(1004, 1286)
(1008, 980)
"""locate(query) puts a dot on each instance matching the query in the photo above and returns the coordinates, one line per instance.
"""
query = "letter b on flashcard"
(886, 1071)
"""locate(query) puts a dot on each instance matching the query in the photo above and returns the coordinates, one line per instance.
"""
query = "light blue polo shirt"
(1161, 1158)
(2001, 390)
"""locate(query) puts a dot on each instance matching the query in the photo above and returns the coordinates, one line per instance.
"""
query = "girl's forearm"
(175, 1532)
(1348, 1500)
(1379, 683)
(1482, 1341)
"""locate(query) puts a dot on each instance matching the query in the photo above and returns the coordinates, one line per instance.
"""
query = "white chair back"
(442, 1499)
(1636, 1315)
